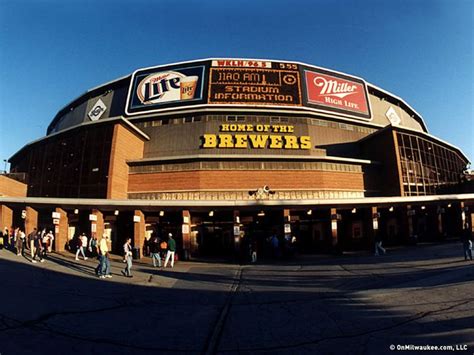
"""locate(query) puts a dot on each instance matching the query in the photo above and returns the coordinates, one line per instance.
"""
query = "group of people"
(93, 247)
(38, 242)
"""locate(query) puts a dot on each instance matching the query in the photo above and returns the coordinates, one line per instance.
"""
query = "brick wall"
(126, 145)
(12, 188)
(241, 179)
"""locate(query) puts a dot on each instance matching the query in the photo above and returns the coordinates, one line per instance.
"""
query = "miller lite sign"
(337, 93)
(156, 88)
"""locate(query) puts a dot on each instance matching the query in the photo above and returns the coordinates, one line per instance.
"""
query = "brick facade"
(12, 188)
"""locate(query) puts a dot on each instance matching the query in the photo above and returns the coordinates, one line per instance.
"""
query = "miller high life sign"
(337, 93)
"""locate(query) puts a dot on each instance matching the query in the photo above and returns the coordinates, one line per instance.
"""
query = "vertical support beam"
(97, 225)
(61, 231)
(6, 217)
(236, 229)
(31, 220)
(375, 222)
(334, 236)
(409, 216)
(139, 231)
(439, 213)
(186, 233)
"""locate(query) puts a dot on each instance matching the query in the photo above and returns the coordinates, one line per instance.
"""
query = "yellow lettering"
(291, 129)
(305, 142)
(210, 141)
(258, 141)
(276, 142)
(224, 128)
(291, 142)
(240, 141)
(241, 128)
(225, 141)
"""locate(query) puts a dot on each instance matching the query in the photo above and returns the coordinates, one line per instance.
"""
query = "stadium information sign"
(254, 82)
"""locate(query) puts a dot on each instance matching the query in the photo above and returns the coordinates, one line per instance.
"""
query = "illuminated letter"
(305, 142)
(291, 142)
(276, 142)
(240, 141)
(258, 141)
(210, 141)
(224, 128)
(225, 141)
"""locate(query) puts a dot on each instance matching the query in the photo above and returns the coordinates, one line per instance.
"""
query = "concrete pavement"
(356, 304)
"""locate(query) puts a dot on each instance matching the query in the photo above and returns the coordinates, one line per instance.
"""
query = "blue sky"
(53, 51)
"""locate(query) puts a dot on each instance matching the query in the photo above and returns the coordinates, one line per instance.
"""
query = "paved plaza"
(351, 304)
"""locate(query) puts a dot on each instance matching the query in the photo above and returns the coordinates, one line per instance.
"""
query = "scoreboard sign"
(335, 92)
(254, 82)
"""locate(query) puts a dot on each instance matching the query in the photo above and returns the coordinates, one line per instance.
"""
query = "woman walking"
(127, 255)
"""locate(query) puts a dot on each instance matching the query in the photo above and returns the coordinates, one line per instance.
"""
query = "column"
(97, 224)
(236, 233)
(439, 215)
(186, 233)
(61, 231)
(139, 231)
(6, 217)
(31, 220)
(334, 218)
(375, 222)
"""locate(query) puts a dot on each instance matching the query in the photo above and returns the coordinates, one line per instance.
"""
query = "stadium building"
(219, 151)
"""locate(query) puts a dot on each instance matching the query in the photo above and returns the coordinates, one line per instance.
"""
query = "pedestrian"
(50, 236)
(103, 269)
(38, 248)
(31, 242)
(81, 244)
(46, 240)
(93, 246)
(171, 250)
(17, 240)
(20, 242)
(6, 237)
(275, 243)
(378, 244)
(155, 251)
(253, 249)
(467, 242)
(127, 255)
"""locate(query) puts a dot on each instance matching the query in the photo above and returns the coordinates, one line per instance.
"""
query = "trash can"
(136, 253)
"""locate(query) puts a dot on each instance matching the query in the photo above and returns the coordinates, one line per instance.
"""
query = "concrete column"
(61, 231)
(334, 227)
(6, 217)
(139, 230)
(97, 225)
(439, 220)
(236, 236)
(410, 214)
(31, 220)
(186, 233)
(375, 221)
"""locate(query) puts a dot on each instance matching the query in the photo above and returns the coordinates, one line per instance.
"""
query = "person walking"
(81, 244)
(31, 242)
(20, 242)
(93, 246)
(50, 237)
(103, 269)
(38, 249)
(127, 255)
(6, 238)
(467, 242)
(378, 244)
(171, 250)
(155, 251)
(253, 250)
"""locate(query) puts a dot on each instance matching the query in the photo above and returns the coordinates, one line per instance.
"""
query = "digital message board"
(153, 89)
(335, 92)
(254, 82)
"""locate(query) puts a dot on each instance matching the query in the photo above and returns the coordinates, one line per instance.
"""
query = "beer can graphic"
(188, 86)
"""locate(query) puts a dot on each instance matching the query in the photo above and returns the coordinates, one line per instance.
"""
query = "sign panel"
(336, 92)
(253, 82)
(97, 110)
(156, 88)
